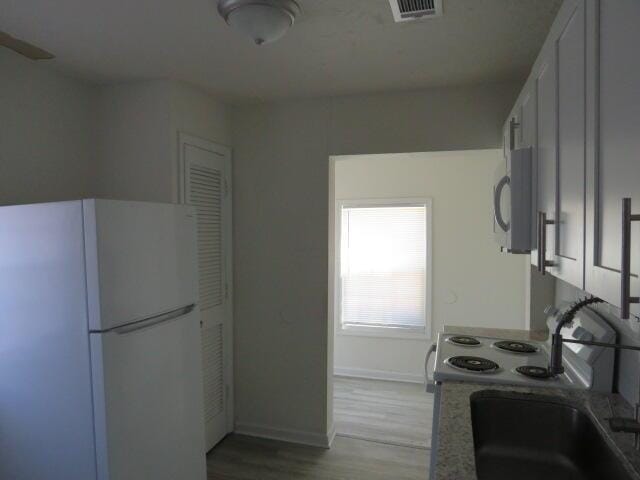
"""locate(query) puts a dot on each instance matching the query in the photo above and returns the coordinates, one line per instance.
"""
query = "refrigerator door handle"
(155, 320)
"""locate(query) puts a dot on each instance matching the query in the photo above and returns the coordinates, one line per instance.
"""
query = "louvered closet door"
(205, 189)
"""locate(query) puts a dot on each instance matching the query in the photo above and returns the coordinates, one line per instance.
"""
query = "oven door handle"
(430, 384)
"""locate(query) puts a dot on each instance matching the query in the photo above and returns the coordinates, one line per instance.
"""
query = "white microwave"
(513, 201)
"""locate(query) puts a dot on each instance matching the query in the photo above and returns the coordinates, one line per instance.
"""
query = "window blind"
(383, 266)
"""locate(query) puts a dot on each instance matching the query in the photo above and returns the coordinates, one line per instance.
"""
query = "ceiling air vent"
(409, 10)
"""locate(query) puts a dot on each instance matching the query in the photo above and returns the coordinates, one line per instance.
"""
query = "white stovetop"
(507, 361)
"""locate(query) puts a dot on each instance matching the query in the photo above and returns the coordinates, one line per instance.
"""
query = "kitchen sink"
(532, 437)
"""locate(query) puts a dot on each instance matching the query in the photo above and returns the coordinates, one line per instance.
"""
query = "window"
(383, 267)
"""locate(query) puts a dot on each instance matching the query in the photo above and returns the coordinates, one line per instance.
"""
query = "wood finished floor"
(388, 412)
(239, 457)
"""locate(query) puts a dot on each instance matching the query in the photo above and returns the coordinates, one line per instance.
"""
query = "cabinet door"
(613, 146)
(511, 137)
(528, 123)
(547, 147)
(569, 216)
(505, 140)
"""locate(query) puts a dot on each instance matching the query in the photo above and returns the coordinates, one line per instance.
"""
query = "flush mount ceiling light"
(264, 21)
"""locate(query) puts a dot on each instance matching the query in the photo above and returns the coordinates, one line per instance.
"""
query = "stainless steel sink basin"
(533, 437)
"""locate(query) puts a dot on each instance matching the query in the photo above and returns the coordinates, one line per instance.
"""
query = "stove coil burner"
(464, 341)
(515, 347)
(539, 373)
(474, 364)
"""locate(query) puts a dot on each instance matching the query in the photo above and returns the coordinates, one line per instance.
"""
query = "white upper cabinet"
(613, 147)
(568, 256)
(511, 136)
(586, 140)
(528, 122)
(546, 155)
(559, 79)
(580, 111)
(505, 140)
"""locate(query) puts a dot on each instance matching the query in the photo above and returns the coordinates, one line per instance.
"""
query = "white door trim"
(225, 152)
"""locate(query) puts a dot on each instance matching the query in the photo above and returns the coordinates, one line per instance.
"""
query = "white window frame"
(383, 331)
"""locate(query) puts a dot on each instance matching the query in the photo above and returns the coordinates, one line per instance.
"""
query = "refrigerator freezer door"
(141, 260)
(147, 385)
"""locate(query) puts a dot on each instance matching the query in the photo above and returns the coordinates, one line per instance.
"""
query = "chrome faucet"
(618, 424)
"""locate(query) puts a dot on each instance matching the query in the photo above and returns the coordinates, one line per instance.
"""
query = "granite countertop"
(522, 335)
(456, 461)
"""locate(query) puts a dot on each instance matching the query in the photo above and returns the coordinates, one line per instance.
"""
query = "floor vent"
(410, 10)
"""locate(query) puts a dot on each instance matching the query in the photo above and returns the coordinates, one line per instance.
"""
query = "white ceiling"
(335, 47)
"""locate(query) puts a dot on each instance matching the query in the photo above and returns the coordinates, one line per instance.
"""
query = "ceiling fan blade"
(24, 48)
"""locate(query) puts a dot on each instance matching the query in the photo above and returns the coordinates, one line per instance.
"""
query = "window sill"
(382, 333)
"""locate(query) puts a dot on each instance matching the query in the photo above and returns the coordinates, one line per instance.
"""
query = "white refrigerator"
(100, 357)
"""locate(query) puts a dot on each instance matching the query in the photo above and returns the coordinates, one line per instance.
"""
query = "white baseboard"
(378, 375)
(332, 435)
(313, 439)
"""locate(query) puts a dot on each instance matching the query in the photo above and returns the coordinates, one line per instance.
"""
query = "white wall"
(473, 283)
(62, 138)
(138, 136)
(47, 126)
(134, 148)
(283, 348)
(197, 113)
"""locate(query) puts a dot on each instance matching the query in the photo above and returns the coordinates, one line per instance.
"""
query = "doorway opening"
(380, 289)
(411, 252)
